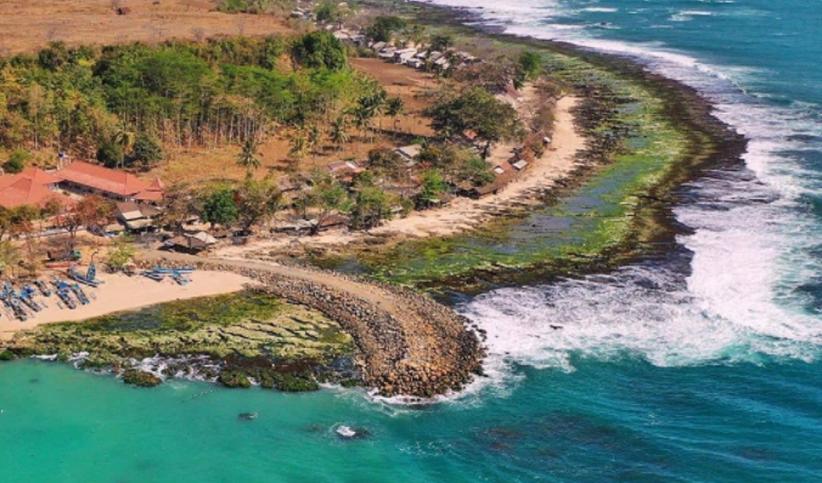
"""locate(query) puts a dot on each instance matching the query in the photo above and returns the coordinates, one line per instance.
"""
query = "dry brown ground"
(206, 164)
(28, 25)
(412, 86)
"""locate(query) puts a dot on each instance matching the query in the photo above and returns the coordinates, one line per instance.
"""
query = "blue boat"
(88, 279)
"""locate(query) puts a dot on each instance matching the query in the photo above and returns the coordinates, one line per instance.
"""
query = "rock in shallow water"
(141, 378)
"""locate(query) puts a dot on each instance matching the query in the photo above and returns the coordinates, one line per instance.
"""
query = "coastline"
(582, 154)
(120, 293)
(641, 225)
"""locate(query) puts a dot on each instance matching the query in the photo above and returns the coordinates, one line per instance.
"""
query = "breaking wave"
(734, 293)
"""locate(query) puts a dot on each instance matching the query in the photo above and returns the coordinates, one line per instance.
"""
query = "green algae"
(644, 145)
(250, 334)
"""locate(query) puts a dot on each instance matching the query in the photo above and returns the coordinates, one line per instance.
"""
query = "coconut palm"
(314, 137)
(339, 132)
(248, 157)
(299, 145)
(394, 107)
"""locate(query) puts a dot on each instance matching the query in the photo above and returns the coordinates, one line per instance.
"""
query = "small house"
(345, 170)
(409, 153)
(520, 165)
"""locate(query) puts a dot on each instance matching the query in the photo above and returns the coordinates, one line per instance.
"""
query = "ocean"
(703, 365)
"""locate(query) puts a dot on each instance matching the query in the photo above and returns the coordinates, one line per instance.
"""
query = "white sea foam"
(749, 242)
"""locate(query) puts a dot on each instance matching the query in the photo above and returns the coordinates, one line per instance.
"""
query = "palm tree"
(10, 258)
(299, 145)
(339, 132)
(125, 139)
(248, 157)
(394, 108)
(314, 137)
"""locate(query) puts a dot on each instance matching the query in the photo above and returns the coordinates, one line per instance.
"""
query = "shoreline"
(650, 226)
(119, 293)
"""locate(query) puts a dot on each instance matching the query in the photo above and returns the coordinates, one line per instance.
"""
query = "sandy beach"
(120, 292)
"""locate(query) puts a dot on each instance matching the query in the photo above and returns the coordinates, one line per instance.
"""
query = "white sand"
(120, 293)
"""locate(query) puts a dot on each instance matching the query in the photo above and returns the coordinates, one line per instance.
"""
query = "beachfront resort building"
(32, 187)
(37, 187)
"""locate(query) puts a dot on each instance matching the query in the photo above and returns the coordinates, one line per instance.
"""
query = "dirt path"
(410, 344)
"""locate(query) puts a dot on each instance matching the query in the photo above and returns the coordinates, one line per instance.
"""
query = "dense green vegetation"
(120, 103)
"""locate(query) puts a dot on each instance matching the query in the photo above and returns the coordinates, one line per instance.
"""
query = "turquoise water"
(625, 420)
(700, 366)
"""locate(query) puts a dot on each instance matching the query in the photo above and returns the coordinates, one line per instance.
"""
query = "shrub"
(110, 154)
(383, 28)
(17, 161)
(147, 151)
(319, 50)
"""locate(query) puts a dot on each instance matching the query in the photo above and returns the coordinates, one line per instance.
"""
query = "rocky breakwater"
(408, 343)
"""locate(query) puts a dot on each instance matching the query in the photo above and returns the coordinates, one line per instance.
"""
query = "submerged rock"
(234, 379)
(7, 355)
(139, 378)
(247, 416)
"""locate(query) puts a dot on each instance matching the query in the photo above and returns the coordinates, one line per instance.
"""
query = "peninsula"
(302, 175)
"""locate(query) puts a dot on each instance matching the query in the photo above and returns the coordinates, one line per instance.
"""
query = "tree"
(473, 171)
(120, 255)
(388, 163)
(314, 136)
(248, 157)
(529, 67)
(441, 42)
(371, 206)
(257, 201)
(147, 151)
(384, 27)
(179, 205)
(319, 49)
(327, 195)
(331, 12)
(15, 221)
(110, 154)
(10, 258)
(90, 212)
(17, 161)
(219, 207)
(476, 110)
(298, 146)
(433, 186)
(339, 132)
(394, 107)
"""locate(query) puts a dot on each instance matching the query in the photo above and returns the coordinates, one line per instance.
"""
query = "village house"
(345, 170)
(136, 217)
(409, 154)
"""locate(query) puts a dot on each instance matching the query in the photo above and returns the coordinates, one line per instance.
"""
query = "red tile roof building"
(33, 187)
(36, 187)
(107, 182)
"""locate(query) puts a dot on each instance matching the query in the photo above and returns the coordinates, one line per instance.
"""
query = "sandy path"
(465, 213)
(120, 293)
